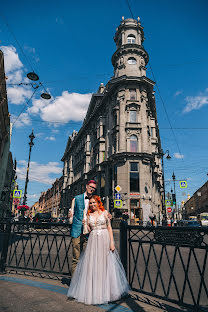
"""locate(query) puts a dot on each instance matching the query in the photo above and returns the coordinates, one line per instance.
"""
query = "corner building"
(119, 142)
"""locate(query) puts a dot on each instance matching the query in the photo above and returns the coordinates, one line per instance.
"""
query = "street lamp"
(174, 194)
(32, 137)
(168, 157)
(34, 77)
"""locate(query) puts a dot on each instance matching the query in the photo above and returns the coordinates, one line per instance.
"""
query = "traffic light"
(174, 199)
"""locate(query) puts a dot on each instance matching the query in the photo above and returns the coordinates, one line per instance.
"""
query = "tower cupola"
(130, 58)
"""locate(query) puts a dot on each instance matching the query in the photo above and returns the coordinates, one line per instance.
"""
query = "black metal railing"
(43, 247)
(170, 263)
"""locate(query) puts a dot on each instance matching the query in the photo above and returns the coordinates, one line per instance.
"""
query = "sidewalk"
(32, 293)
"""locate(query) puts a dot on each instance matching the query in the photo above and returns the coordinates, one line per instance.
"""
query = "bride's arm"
(110, 231)
(88, 225)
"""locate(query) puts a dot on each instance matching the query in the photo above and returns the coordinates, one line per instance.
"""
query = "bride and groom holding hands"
(98, 274)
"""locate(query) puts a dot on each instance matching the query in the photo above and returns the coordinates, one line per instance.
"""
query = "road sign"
(118, 188)
(183, 184)
(17, 193)
(117, 203)
(117, 196)
(169, 209)
(168, 203)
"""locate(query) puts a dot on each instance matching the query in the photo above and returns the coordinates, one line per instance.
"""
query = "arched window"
(131, 39)
(132, 60)
(133, 143)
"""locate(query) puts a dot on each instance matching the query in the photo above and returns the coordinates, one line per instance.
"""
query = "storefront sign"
(135, 194)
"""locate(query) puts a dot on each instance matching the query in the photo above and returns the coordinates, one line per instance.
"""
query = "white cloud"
(178, 92)
(196, 102)
(39, 172)
(18, 95)
(33, 196)
(21, 121)
(11, 59)
(178, 156)
(51, 138)
(68, 106)
(14, 71)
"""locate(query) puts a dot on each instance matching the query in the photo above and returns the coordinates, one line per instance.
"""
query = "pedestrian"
(79, 205)
(99, 276)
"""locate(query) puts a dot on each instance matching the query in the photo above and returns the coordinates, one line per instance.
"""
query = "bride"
(99, 277)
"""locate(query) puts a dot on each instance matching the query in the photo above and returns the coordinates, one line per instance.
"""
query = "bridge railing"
(170, 263)
(43, 247)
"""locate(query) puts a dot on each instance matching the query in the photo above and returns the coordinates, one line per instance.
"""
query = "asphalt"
(27, 292)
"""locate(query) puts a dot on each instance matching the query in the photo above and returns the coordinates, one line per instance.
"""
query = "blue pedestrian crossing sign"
(118, 203)
(17, 193)
(117, 196)
(183, 184)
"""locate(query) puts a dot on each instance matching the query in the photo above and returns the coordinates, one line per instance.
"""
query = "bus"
(203, 218)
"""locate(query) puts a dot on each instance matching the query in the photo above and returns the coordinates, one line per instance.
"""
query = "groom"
(79, 240)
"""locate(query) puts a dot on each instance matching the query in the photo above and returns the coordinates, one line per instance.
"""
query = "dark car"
(192, 223)
(44, 218)
(63, 220)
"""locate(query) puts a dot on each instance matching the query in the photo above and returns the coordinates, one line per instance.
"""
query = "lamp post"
(174, 194)
(163, 178)
(32, 137)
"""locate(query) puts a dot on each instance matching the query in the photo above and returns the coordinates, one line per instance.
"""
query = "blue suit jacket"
(79, 206)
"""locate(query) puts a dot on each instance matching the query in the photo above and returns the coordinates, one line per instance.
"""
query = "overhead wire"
(159, 93)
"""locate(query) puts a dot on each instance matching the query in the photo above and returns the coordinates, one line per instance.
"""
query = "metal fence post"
(123, 244)
(5, 245)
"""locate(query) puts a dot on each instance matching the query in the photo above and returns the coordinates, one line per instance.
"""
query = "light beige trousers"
(78, 244)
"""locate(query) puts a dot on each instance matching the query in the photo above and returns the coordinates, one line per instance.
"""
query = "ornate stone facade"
(119, 141)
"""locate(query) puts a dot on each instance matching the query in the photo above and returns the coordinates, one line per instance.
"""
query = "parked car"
(192, 223)
(63, 220)
(54, 219)
(44, 218)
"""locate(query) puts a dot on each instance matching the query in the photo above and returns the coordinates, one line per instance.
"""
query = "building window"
(131, 39)
(132, 116)
(132, 61)
(134, 177)
(132, 94)
(133, 143)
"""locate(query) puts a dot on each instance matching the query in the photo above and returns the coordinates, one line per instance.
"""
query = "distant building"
(119, 141)
(6, 161)
(34, 209)
(49, 200)
(198, 202)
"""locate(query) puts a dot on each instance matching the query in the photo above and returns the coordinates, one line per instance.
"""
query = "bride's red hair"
(100, 204)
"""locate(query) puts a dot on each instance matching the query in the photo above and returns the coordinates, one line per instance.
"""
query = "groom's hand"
(109, 216)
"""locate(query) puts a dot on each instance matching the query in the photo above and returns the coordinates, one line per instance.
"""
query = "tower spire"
(130, 58)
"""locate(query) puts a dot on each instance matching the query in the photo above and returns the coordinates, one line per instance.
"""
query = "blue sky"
(69, 44)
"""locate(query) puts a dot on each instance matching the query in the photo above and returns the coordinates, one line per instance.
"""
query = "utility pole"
(32, 137)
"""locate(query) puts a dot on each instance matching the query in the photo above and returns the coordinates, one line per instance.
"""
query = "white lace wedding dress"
(99, 276)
